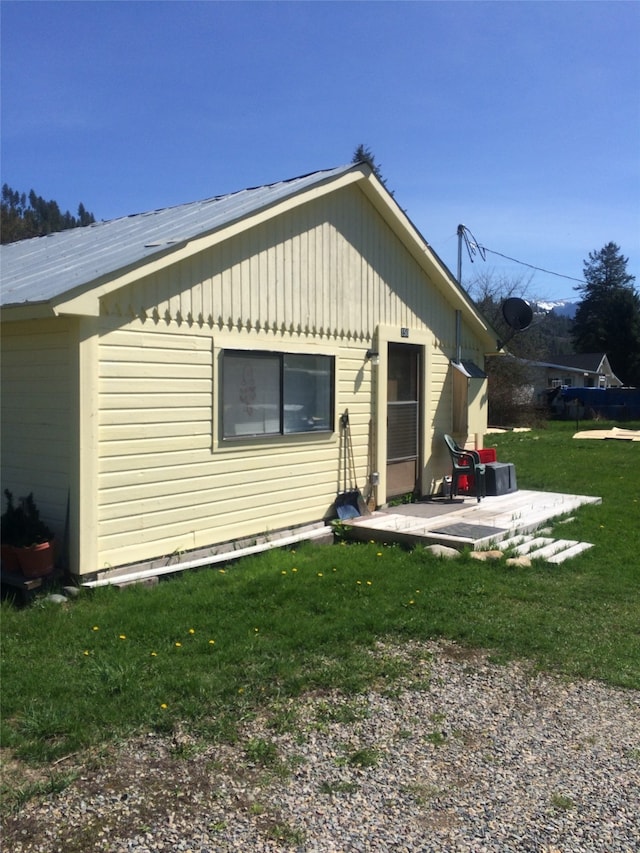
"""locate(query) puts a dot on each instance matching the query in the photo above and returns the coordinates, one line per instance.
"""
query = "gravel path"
(463, 756)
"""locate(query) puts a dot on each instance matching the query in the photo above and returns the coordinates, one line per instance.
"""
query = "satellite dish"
(517, 313)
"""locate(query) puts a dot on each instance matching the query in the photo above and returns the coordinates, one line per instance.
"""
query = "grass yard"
(207, 649)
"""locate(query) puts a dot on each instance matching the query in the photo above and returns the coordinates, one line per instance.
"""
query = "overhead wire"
(532, 266)
(473, 246)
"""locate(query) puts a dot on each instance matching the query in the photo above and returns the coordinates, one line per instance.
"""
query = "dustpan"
(349, 503)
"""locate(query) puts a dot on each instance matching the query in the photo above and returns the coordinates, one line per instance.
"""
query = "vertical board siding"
(332, 267)
(37, 428)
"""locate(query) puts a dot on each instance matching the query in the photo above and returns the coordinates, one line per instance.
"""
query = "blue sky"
(519, 119)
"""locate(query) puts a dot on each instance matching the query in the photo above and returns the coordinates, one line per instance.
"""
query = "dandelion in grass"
(256, 630)
(379, 554)
(283, 572)
(294, 569)
(96, 628)
(178, 645)
(154, 654)
(359, 583)
(212, 642)
(86, 652)
(192, 630)
(221, 572)
(369, 583)
(123, 636)
(164, 706)
(319, 574)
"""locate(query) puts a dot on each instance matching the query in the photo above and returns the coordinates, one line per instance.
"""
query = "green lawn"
(205, 649)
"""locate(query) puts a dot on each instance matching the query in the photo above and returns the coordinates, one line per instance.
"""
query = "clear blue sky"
(519, 119)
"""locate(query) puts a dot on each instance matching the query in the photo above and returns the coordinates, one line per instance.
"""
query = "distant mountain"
(565, 308)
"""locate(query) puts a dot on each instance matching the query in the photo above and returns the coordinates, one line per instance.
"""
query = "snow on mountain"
(565, 307)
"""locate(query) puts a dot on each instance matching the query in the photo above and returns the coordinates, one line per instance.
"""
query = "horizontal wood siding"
(325, 277)
(37, 415)
(167, 483)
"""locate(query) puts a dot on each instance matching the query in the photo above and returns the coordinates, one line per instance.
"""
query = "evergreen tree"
(608, 316)
(363, 154)
(23, 216)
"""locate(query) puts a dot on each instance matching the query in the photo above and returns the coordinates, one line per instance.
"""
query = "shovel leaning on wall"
(349, 502)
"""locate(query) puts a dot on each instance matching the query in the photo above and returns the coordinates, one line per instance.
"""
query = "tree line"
(23, 216)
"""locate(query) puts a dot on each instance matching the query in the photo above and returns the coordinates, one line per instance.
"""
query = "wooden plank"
(538, 543)
(551, 548)
(576, 549)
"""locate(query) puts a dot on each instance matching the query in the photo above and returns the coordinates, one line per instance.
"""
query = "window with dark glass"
(276, 393)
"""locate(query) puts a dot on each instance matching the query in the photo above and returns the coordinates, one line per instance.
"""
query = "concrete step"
(544, 547)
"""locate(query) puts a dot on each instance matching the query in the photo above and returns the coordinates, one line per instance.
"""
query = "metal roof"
(590, 362)
(43, 268)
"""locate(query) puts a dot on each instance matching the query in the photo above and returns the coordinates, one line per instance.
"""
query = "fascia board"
(441, 276)
(31, 311)
(550, 365)
(86, 300)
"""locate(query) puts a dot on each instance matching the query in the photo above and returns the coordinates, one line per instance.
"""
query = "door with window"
(403, 419)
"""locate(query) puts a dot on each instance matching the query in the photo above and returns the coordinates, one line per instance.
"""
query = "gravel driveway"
(464, 756)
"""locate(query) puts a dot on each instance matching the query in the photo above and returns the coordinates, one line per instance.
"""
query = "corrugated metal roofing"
(44, 268)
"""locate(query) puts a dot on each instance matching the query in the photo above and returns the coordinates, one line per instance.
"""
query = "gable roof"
(69, 271)
(591, 362)
(43, 268)
(595, 363)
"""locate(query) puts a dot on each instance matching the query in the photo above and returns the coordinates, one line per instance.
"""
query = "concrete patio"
(509, 520)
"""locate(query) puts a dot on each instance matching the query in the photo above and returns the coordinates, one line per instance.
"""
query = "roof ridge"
(184, 204)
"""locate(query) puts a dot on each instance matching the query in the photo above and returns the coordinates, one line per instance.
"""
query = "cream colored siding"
(326, 277)
(331, 268)
(37, 419)
(120, 409)
(155, 392)
(166, 481)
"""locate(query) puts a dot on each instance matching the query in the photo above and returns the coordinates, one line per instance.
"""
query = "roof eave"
(27, 311)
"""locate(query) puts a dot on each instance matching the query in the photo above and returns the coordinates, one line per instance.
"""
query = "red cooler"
(466, 485)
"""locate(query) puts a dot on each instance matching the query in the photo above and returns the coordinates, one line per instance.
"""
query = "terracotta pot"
(9, 557)
(36, 560)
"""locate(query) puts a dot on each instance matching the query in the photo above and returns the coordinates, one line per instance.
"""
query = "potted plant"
(27, 542)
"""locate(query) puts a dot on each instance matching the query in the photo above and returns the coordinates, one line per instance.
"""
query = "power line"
(531, 266)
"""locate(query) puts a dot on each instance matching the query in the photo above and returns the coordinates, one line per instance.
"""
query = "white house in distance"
(175, 380)
(580, 370)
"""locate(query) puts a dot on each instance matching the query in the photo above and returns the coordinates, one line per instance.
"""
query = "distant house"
(585, 370)
(177, 379)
